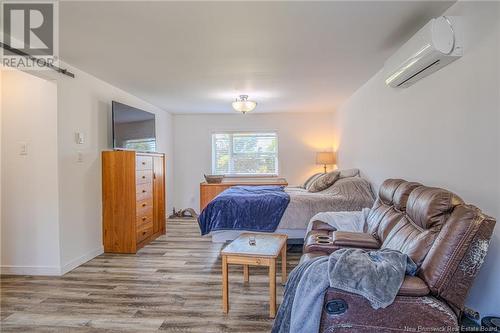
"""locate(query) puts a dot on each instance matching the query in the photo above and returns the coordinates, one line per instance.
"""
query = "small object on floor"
(468, 325)
(188, 213)
(471, 314)
(491, 322)
(252, 241)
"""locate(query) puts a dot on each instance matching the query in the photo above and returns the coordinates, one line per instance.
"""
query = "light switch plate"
(79, 138)
(23, 148)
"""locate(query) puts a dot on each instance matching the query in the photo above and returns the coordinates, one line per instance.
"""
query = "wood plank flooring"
(171, 285)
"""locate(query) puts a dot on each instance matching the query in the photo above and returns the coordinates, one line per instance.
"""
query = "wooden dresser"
(210, 191)
(133, 194)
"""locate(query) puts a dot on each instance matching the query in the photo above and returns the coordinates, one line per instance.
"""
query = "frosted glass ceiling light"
(243, 105)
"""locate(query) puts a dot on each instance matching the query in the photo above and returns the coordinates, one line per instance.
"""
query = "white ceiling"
(196, 57)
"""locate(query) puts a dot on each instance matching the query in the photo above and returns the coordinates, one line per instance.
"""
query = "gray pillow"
(324, 181)
(311, 180)
(349, 173)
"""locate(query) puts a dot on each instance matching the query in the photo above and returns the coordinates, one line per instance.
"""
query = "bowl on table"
(214, 179)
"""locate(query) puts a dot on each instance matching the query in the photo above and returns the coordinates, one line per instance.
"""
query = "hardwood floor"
(171, 285)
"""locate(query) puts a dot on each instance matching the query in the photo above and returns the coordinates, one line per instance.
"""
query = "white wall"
(84, 105)
(53, 220)
(442, 131)
(300, 135)
(1, 103)
(30, 221)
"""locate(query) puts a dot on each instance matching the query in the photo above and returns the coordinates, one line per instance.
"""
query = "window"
(245, 153)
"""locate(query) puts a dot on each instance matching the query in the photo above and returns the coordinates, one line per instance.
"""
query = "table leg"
(225, 287)
(272, 288)
(246, 274)
(283, 265)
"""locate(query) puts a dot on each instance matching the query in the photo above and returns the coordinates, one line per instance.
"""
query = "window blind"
(245, 153)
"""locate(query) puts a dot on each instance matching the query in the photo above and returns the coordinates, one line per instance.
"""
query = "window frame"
(248, 175)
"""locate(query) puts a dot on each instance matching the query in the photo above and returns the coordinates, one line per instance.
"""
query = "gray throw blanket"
(375, 275)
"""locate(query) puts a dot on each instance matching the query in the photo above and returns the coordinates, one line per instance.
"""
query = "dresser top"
(249, 181)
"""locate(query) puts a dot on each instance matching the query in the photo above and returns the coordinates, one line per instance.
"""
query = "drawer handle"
(143, 191)
(144, 218)
(143, 205)
(143, 177)
(143, 233)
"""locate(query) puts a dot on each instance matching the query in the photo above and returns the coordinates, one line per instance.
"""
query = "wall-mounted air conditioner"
(434, 46)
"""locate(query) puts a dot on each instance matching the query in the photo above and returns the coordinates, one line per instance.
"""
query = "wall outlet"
(79, 157)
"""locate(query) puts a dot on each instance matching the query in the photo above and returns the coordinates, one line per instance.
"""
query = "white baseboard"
(72, 264)
(31, 270)
(51, 270)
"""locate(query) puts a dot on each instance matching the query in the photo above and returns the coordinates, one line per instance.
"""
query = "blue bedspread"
(252, 208)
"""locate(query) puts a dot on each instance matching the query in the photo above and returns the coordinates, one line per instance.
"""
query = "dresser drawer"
(144, 219)
(143, 233)
(143, 162)
(144, 176)
(144, 191)
(144, 207)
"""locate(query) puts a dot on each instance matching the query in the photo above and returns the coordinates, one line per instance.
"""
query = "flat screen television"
(133, 129)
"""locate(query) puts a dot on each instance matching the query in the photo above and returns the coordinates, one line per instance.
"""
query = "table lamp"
(325, 158)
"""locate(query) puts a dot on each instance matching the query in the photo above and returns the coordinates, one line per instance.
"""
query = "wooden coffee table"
(266, 250)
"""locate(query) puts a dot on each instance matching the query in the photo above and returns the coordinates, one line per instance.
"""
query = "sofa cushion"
(384, 216)
(402, 194)
(413, 286)
(428, 206)
(387, 190)
(427, 210)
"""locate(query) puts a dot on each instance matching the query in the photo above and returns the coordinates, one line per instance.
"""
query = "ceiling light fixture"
(243, 105)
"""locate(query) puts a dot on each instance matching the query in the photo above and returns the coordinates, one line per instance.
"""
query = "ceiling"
(197, 57)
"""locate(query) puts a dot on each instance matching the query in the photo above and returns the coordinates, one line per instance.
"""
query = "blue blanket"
(251, 208)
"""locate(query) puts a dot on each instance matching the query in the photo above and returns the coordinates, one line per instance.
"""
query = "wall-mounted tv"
(133, 129)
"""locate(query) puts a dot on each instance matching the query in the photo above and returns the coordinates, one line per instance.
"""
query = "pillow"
(349, 173)
(311, 180)
(324, 181)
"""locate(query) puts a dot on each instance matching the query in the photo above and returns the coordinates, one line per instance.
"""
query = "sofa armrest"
(330, 241)
(319, 225)
(355, 239)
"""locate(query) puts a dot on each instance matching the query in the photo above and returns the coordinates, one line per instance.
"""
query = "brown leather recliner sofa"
(445, 237)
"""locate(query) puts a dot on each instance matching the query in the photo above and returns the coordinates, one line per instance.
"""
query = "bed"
(349, 193)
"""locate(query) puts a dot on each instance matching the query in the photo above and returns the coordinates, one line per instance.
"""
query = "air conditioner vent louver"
(434, 46)
(418, 73)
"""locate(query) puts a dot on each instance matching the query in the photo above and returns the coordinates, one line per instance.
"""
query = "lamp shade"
(325, 158)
